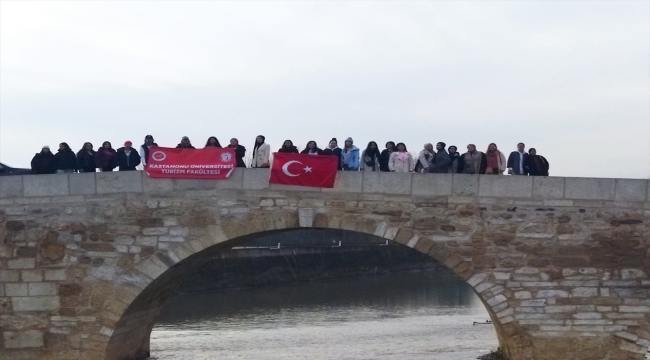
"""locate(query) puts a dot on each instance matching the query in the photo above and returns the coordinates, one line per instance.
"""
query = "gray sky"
(571, 79)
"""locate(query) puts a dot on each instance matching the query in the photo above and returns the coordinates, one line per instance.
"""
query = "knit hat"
(148, 137)
(46, 147)
(185, 138)
(128, 142)
(350, 140)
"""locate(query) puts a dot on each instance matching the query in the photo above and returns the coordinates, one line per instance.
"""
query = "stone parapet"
(520, 187)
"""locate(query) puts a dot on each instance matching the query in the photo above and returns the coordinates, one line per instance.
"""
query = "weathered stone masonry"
(87, 260)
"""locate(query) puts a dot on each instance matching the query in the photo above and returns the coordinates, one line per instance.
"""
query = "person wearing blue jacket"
(349, 156)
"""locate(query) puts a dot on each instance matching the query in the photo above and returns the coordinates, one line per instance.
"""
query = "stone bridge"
(87, 260)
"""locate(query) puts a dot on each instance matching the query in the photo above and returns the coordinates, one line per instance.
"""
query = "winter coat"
(261, 155)
(350, 158)
(240, 152)
(336, 152)
(43, 163)
(501, 163)
(127, 162)
(144, 153)
(514, 162)
(290, 149)
(368, 162)
(383, 160)
(424, 163)
(397, 164)
(453, 165)
(536, 165)
(105, 158)
(86, 160)
(181, 146)
(441, 162)
(66, 160)
(472, 163)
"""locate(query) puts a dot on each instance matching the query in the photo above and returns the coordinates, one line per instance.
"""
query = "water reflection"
(392, 317)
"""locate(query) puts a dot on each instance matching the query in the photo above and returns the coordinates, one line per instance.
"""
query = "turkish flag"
(304, 170)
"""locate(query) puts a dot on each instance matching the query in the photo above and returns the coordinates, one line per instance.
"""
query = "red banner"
(304, 170)
(208, 163)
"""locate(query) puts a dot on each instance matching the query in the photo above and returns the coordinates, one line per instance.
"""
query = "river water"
(406, 316)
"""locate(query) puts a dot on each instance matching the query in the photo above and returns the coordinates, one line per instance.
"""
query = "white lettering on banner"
(204, 172)
(172, 171)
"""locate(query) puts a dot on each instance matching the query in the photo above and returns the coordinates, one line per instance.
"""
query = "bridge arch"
(160, 274)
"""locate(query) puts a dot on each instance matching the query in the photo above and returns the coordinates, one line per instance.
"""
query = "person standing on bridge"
(144, 149)
(496, 161)
(370, 157)
(86, 158)
(349, 156)
(312, 149)
(472, 162)
(516, 160)
(127, 158)
(105, 158)
(287, 147)
(384, 157)
(333, 149)
(240, 152)
(453, 157)
(44, 162)
(212, 142)
(261, 153)
(536, 165)
(66, 160)
(401, 160)
(424, 163)
(442, 161)
(185, 143)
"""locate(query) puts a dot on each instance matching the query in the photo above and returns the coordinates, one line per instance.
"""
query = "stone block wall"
(561, 264)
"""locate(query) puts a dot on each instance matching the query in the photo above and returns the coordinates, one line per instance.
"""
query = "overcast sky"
(571, 79)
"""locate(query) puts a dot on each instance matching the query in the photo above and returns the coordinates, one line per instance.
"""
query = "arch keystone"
(306, 217)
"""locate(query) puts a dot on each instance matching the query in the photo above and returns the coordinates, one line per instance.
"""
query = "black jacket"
(127, 162)
(383, 160)
(146, 149)
(66, 160)
(240, 152)
(536, 165)
(513, 162)
(86, 160)
(43, 163)
(336, 152)
(441, 162)
(180, 146)
(290, 149)
(482, 166)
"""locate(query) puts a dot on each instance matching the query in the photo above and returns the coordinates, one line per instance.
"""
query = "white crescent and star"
(285, 168)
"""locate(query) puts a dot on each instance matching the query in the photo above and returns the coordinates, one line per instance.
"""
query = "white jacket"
(261, 156)
(396, 164)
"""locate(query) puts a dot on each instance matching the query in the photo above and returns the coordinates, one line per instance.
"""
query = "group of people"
(393, 158)
(396, 158)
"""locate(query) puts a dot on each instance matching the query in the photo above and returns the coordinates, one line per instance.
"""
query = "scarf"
(492, 160)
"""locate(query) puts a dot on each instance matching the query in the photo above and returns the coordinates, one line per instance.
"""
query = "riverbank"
(494, 355)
